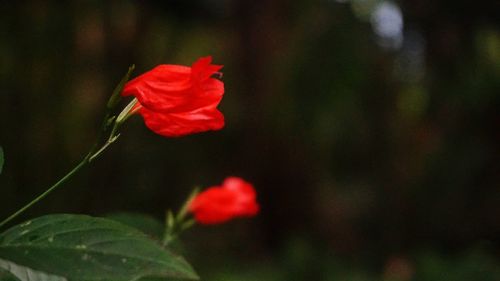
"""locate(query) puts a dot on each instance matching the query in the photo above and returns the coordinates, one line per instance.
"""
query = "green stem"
(175, 225)
(167, 238)
(91, 156)
(112, 138)
(172, 234)
(109, 120)
(44, 194)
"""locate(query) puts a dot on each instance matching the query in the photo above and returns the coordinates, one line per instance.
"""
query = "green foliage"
(79, 248)
(7, 276)
(147, 224)
(10, 271)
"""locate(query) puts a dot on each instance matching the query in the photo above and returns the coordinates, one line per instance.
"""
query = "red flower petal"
(185, 123)
(203, 69)
(179, 100)
(235, 198)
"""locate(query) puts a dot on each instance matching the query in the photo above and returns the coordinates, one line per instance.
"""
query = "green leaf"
(116, 96)
(10, 271)
(7, 276)
(1, 159)
(154, 279)
(145, 223)
(83, 248)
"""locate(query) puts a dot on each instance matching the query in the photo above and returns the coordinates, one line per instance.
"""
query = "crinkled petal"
(162, 87)
(207, 95)
(177, 100)
(170, 88)
(181, 124)
(203, 69)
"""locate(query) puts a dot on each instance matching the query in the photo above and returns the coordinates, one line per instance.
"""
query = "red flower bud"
(217, 204)
(177, 100)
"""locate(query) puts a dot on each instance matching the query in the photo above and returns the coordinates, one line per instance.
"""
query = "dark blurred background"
(370, 129)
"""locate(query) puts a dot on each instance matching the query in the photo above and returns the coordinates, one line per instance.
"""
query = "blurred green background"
(370, 129)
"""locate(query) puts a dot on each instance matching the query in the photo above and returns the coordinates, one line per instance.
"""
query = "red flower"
(235, 198)
(177, 100)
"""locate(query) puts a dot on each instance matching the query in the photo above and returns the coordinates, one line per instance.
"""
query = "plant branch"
(44, 194)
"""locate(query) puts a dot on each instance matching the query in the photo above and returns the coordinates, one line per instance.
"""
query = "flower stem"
(172, 234)
(94, 152)
(91, 156)
(109, 119)
(175, 225)
(52, 188)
